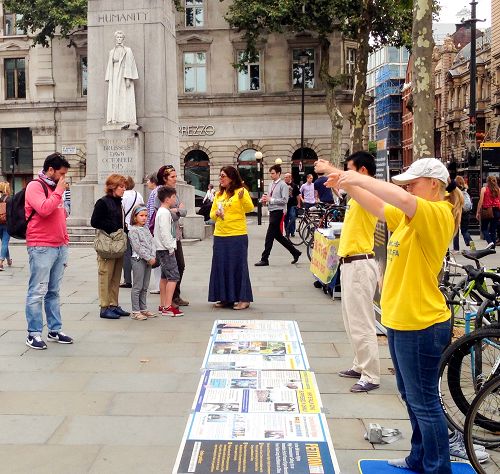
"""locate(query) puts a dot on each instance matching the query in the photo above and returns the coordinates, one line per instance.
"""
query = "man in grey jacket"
(276, 200)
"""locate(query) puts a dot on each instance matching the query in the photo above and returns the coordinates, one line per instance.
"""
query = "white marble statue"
(120, 75)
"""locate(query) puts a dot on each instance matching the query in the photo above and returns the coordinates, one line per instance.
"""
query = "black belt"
(363, 256)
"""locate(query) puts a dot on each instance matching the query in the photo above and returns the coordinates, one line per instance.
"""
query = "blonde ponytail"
(457, 200)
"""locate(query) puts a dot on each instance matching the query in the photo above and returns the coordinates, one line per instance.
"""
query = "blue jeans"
(290, 218)
(4, 237)
(47, 266)
(489, 227)
(464, 229)
(416, 356)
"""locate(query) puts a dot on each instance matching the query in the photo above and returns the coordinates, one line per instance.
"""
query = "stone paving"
(118, 399)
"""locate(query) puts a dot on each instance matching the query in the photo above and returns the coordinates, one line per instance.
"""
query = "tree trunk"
(336, 117)
(358, 117)
(423, 80)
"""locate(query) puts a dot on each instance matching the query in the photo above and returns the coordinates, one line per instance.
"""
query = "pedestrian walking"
(109, 217)
(359, 276)
(422, 221)
(165, 243)
(129, 200)
(47, 244)
(276, 199)
(291, 206)
(143, 258)
(4, 235)
(307, 196)
(230, 283)
(488, 210)
(464, 221)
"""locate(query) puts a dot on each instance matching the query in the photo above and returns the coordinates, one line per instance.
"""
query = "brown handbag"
(486, 213)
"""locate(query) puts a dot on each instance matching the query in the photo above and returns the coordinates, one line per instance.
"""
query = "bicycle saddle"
(478, 254)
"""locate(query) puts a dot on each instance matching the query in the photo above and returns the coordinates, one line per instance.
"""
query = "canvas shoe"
(36, 342)
(60, 337)
(172, 312)
(351, 374)
(119, 311)
(459, 453)
(364, 386)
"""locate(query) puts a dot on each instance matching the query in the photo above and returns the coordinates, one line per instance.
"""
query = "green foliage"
(372, 147)
(42, 17)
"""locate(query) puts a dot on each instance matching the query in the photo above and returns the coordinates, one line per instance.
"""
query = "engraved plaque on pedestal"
(121, 152)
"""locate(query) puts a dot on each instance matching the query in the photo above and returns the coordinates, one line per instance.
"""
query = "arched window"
(301, 168)
(197, 172)
(247, 167)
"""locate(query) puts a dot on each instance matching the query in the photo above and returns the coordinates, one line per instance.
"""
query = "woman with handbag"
(4, 235)
(488, 210)
(111, 242)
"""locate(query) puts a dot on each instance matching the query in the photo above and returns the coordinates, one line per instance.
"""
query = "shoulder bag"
(112, 245)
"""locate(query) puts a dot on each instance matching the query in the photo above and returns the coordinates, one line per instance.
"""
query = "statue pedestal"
(122, 152)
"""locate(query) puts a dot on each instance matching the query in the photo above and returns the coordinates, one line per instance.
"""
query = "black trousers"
(274, 233)
(181, 265)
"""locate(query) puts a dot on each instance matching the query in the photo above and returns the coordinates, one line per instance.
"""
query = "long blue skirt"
(229, 277)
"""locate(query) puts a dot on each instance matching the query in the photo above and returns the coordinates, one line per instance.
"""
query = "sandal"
(223, 304)
(241, 305)
(138, 315)
(149, 314)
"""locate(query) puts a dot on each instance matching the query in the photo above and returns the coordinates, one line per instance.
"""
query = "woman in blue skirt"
(230, 283)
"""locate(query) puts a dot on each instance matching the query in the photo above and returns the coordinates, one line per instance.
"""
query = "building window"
(197, 173)
(194, 13)
(249, 77)
(10, 24)
(83, 76)
(15, 78)
(308, 68)
(10, 139)
(350, 66)
(195, 72)
(247, 167)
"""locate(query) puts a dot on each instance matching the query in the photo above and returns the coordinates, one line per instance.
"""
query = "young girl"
(143, 257)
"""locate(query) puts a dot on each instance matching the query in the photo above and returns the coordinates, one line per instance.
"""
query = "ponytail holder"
(139, 209)
(451, 186)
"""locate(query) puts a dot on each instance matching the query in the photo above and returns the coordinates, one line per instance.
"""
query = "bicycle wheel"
(488, 285)
(465, 366)
(310, 248)
(486, 404)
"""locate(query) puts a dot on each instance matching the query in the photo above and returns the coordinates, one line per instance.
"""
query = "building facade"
(225, 114)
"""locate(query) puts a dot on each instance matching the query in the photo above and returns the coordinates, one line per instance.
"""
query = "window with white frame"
(10, 24)
(249, 76)
(303, 71)
(15, 78)
(83, 76)
(195, 72)
(350, 66)
(194, 13)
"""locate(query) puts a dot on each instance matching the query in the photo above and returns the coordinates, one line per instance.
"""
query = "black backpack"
(17, 224)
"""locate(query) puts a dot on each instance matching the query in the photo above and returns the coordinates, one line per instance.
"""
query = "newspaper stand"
(325, 261)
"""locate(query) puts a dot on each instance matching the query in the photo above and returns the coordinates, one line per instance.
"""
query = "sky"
(449, 9)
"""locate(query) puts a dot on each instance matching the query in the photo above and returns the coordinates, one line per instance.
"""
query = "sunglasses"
(223, 176)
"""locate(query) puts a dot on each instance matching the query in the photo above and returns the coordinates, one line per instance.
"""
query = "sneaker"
(364, 386)
(138, 315)
(154, 292)
(172, 312)
(119, 311)
(262, 263)
(36, 342)
(108, 313)
(60, 337)
(472, 245)
(351, 374)
(459, 453)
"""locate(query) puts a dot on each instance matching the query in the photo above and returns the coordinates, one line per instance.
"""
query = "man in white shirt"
(130, 199)
(307, 193)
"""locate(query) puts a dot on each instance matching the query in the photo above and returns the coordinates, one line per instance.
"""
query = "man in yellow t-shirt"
(359, 277)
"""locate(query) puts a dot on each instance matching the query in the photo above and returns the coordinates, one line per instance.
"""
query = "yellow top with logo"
(411, 299)
(357, 231)
(234, 222)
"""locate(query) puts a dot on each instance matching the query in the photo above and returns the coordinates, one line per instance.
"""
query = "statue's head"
(119, 37)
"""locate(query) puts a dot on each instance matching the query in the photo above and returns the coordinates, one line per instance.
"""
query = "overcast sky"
(449, 9)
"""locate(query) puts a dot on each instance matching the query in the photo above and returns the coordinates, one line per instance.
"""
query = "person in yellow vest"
(230, 285)
(422, 220)
(358, 279)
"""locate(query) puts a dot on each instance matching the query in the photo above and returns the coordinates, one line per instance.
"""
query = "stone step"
(81, 230)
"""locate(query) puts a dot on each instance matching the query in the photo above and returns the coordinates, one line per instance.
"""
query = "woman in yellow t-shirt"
(230, 283)
(422, 220)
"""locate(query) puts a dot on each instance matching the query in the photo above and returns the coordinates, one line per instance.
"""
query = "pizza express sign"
(196, 130)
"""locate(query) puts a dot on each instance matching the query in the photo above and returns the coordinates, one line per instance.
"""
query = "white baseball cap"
(424, 168)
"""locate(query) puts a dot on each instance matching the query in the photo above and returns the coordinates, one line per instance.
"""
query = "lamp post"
(258, 158)
(303, 62)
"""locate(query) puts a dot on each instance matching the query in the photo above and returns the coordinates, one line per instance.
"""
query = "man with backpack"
(47, 242)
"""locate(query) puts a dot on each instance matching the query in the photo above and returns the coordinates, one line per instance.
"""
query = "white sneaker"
(459, 453)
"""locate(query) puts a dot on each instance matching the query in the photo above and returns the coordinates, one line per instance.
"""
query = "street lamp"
(303, 62)
(258, 158)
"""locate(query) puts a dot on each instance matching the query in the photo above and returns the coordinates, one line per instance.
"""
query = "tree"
(386, 21)
(423, 80)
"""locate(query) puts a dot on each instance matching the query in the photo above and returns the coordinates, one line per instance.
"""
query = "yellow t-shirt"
(411, 299)
(234, 222)
(357, 231)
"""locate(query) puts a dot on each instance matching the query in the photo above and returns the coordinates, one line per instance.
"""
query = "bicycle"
(486, 405)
